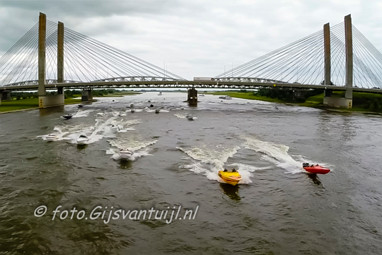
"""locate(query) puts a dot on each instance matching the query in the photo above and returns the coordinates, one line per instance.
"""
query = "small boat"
(231, 177)
(80, 106)
(82, 139)
(225, 97)
(157, 110)
(67, 116)
(190, 117)
(51, 138)
(125, 154)
(315, 169)
(160, 93)
(132, 110)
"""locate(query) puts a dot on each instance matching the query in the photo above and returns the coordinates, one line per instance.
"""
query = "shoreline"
(32, 103)
(313, 102)
(30, 108)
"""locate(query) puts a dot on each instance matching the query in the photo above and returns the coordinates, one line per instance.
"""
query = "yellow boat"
(230, 177)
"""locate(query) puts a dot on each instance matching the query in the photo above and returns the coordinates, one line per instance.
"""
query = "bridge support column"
(338, 102)
(45, 101)
(192, 97)
(349, 60)
(327, 56)
(51, 101)
(60, 56)
(41, 54)
(87, 95)
(5, 96)
(347, 100)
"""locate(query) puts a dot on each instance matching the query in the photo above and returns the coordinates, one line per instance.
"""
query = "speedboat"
(125, 154)
(67, 116)
(82, 139)
(51, 138)
(231, 177)
(189, 117)
(315, 169)
(225, 97)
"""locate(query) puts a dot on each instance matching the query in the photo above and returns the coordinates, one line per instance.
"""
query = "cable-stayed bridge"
(50, 55)
(86, 60)
(303, 62)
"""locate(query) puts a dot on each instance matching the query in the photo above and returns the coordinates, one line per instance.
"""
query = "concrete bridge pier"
(48, 101)
(192, 97)
(87, 94)
(337, 102)
(5, 96)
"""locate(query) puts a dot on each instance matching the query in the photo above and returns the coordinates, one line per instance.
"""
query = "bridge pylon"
(347, 100)
(46, 101)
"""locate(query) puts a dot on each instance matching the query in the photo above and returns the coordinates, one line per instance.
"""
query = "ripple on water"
(277, 210)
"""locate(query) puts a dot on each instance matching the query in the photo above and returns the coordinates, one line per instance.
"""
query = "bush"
(288, 94)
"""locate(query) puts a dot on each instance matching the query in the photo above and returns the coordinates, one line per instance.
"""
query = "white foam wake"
(82, 113)
(208, 161)
(138, 148)
(275, 153)
(107, 125)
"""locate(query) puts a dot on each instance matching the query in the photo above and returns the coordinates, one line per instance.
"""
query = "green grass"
(314, 101)
(32, 103)
(15, 105)
(247, 95)
(362, 102)
(119, 94)
(29, 103)
(72, 101)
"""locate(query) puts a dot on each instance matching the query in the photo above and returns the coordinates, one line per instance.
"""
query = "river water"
(61, 198)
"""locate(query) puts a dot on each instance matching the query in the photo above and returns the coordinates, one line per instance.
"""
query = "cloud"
(90, 8)
(191, 38)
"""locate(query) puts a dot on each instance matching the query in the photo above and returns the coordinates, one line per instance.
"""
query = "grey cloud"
(195, 37)
(88, 8)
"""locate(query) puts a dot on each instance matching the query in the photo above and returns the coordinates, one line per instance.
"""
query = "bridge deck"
(185, 84)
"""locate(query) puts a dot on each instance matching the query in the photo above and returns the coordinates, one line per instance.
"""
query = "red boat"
(315, 169)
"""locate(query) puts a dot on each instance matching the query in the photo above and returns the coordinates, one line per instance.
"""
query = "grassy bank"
(247, 95)
(28, 103)
(101, 93)
(24, 101)
(119, 94)
(363, 102)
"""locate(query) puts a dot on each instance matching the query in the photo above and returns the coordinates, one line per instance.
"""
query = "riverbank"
(362, 102)
(27, 104)
(119, 94)
(20, 103)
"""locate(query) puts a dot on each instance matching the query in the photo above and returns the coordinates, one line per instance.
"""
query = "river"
(61, 198)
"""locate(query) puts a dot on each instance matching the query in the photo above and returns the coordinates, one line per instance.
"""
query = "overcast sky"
(192, 37)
